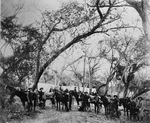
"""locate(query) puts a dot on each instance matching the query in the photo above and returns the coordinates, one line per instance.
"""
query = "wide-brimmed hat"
(115, 96)
(67, 90)
(29, 88)
(140, 98)
(41, 88)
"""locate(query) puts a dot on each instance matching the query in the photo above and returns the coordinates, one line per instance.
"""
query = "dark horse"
(129, 107)
(61, 97)
(23, 96)
(106, 104)
(95, 99)
(76, 95)
(125, 102)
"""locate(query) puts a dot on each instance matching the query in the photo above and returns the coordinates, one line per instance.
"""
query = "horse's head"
(12, 91)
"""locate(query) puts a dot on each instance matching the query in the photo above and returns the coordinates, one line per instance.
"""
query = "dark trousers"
(96, 108)
(70, 103)
(66, 106)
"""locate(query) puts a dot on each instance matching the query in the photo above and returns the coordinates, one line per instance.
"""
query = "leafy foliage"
(21, 64)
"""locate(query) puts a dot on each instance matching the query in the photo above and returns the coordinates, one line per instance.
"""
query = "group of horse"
(110, 103)
(63, 100)
(29, 102)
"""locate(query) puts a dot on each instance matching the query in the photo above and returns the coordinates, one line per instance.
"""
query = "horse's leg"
(124, 108)
(34, 104)
(31, 105)
(62, 108)
(127, 110)
(105, 109)
(67, 106)
(51, 102)
(70, 103)
(23, 102)
(77, 101)
(89, 107)
(57, 104)
(44, 101)
(95, 107)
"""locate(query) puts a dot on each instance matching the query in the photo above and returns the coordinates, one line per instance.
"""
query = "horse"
(76, 95)
(129, 107)
(61, 97)
(23, 96)
(134, 111)
(125, 102)
(106, 104)
(95, 99)
(113, 108)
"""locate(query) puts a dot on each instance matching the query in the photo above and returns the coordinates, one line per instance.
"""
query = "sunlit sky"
(32, 11)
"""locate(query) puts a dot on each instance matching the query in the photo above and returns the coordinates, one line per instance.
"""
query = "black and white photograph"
(75, 61)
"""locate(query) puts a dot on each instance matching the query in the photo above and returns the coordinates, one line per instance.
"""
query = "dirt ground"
(50, 115)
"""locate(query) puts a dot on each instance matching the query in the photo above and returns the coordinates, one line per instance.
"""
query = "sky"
(32, 11)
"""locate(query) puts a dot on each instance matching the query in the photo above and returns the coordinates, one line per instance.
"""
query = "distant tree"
(20, 65)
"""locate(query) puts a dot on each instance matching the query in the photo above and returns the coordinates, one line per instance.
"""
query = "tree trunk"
(126, 90)
(100, 87)
(78, 86)
(107, 85)
(84, 75)
(37, 67)
(109, 80)
(142, 8)
(90, 84)
(119, 90)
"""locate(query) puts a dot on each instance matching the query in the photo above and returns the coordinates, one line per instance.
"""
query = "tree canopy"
(36, 46)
